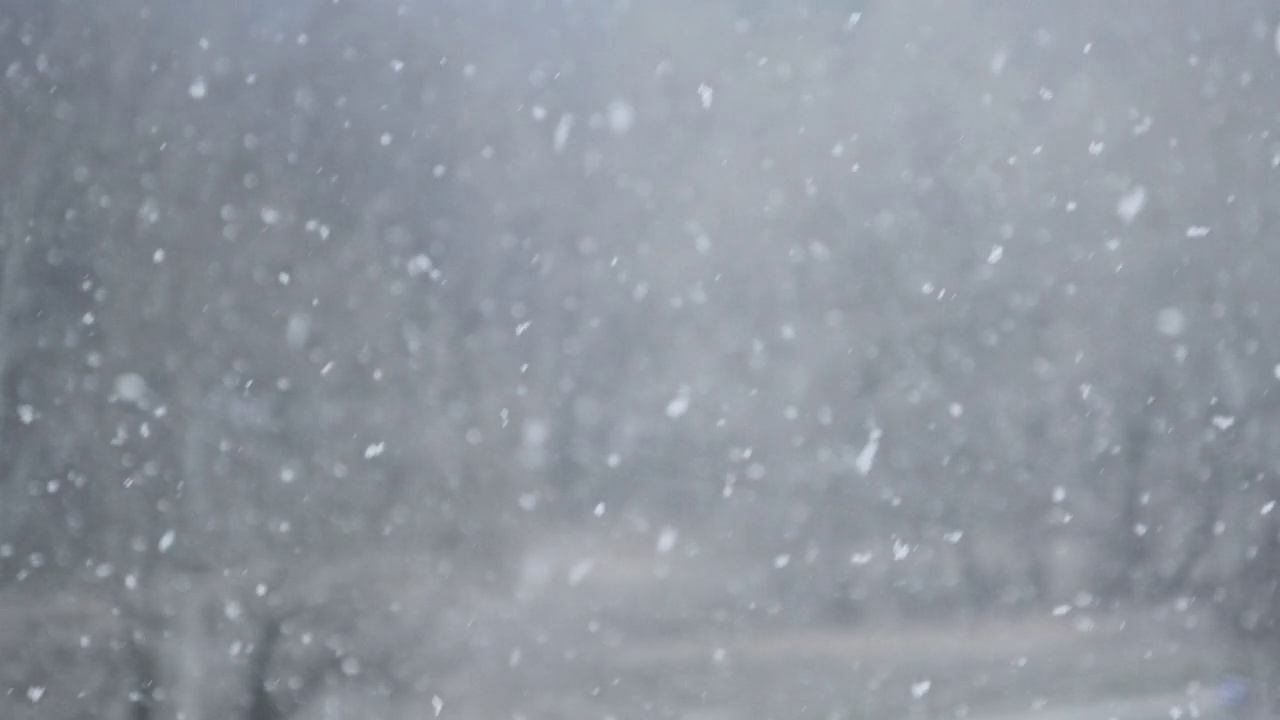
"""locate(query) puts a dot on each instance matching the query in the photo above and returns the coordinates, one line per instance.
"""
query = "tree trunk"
(188, 645)
(10, 299)
(1264, 672)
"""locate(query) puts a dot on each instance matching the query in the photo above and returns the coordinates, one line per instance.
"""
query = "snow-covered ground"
(614, 641)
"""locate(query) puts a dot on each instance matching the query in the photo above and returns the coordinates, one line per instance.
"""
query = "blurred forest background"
(475, 358)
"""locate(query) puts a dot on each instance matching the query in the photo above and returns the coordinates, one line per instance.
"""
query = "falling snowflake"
(621, 117)
(679, 405)
(867, 457)
(706, 94)
(1131, 204)
(667, 540)
(580, 570)
(900, 550)
(561, 136)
